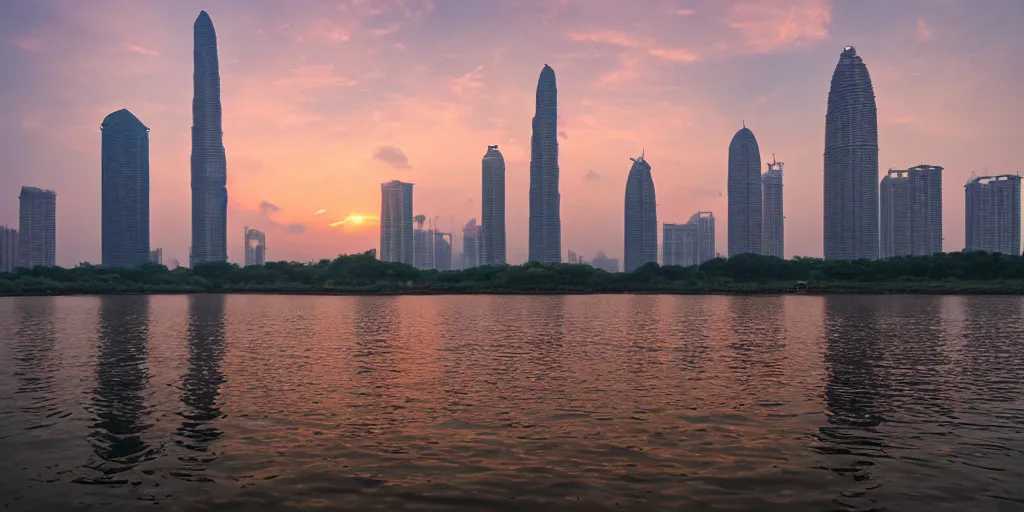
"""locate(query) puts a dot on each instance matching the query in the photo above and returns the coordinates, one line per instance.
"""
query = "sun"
(355, 220)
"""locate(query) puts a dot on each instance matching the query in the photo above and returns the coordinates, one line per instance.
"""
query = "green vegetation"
(362, 273)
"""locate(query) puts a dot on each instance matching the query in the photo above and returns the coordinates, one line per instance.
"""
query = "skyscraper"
(689, 244)
(492, 239)
(744, 194)
(993, 214)
(156, 256)
(8, 249)
(396, 240)
(255, 247)
(209, 167)
(471, 244)
(124, 167)
(422, 244)
(911, 212)
(851, 162)
(640, 243)
(545, 200)
(37, 228)
(442, 250)
(773, 241)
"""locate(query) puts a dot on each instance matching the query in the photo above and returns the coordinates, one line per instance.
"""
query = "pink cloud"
(684, 12)
(470, 80)
(310, 77)
(772, 25)
(614, 38)
(29, 43)
(923, 32)
(141, 50)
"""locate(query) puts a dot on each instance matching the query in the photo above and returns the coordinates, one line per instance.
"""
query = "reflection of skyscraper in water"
(119, 405)
(757, 344)
(377, 321)
(200, 386)
(35, 336)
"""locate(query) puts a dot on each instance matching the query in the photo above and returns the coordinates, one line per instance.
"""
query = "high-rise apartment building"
(255, 247)
(156, 256)
(396, 233)
(993, 214)
(910, 203)
(471, 244)
(689, 244)
(442, 251)
(492, 237)
(209, 165)
(773, 230)
(37, 228)
(851, 162)
(640, 244)
(124, 163)
(545, 200)
(8, 249)
(744, 194)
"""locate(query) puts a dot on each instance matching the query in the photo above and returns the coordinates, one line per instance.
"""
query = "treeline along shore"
(363, 274)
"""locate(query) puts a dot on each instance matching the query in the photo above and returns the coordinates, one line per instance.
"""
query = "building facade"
(851, 162)
(396, 233)
(640, 240)
(8, 249)
(471, 244)
(910, 203)
(37, 228)
(124, 163)
(442, 250)
(209, 165)
(773, 239)
(744, 194)
(255, 247)
(156, 256)
(993, 214)
(689, 244)
(545, 199)
(492, 237)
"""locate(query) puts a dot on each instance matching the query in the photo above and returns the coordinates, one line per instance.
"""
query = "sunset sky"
(324, 100)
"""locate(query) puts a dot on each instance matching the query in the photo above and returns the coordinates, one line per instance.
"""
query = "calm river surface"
(585, 403)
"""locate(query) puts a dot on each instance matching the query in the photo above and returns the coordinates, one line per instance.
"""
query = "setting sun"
(355, 219)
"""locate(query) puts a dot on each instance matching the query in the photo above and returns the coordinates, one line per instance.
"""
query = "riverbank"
(1014, 287)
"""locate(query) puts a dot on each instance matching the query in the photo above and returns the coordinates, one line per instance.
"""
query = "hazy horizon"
(324, 101)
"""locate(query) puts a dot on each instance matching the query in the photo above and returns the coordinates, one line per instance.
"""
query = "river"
(595, 402)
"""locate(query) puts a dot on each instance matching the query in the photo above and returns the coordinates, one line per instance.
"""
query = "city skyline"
(599, 121)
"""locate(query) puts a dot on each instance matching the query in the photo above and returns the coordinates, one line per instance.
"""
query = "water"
(512, 403)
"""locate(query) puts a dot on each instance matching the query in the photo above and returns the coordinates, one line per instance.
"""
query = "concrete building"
(209, 165)
(910, 203)
(545, 200)
(605, 263)
(255, 247)
(492, 237)
(689, 244)
(8, 249)
(851, 162)
(37, 228)
(993, 214)
(156, 256)
(422, 244)
(640, 241)
(396, 240)
(773, 239)
(471, 244)
(124, 164)
(442, 250)
(744, 194)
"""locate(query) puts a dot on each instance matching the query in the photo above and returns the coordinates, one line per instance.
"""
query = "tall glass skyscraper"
(744, 194)
(124, 158)
(492, 239)
(851, 162)
(640, 243)
(773, 229)
(545, 216)
(209, 167)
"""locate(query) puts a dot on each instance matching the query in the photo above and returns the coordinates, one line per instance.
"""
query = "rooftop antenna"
(744, 123)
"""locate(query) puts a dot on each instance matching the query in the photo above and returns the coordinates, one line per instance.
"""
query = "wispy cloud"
(470, 80)
(923, 32)
(684, 12)
(615, 38)
(269, 208)
(356, 219)
(29, 43)
(141, 50)
(393, 156)
(592, 175)
(318, 76)
(320, 212)
(772, 25)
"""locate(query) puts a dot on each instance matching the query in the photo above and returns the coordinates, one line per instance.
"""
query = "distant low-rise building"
(605, 263)
(8, 249)
(689, 244)
(255, 247)
(37, 228)
(156, 256)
